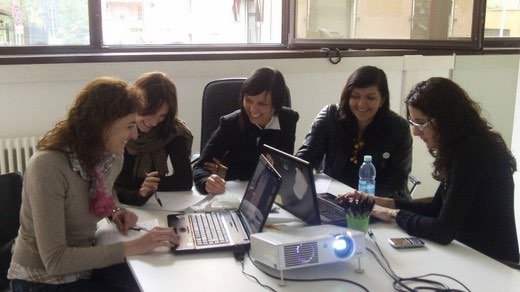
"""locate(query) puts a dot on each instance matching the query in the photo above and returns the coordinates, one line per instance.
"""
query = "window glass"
(383, 19)
(191, 22)
(502, 18)
(44, 22)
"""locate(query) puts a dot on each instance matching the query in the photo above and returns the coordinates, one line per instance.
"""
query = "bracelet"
(117, 209)
(394, 213)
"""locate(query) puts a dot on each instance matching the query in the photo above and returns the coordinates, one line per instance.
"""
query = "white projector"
(307, 246)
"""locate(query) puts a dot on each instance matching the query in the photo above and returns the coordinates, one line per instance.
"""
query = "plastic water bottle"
(367, 176)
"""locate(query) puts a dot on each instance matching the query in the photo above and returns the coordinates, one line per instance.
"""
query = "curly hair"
(364, 77)
(456, 117)
(159, 90)
(98, 105)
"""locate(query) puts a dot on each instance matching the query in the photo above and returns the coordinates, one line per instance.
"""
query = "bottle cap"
(367, 158)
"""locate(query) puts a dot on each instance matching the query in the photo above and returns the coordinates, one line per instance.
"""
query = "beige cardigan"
(57, 231)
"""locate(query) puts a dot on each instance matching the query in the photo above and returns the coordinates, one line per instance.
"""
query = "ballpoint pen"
(157, 198)
(139, 228)
(154, 193)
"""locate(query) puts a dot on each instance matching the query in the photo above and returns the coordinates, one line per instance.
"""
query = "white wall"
(35, 97)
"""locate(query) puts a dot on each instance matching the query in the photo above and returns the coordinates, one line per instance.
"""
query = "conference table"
(161, 270)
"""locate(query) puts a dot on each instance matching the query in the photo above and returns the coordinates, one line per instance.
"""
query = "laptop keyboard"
(208, 229)
(330, 209)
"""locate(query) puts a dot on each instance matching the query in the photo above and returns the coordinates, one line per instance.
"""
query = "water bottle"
(367, 176)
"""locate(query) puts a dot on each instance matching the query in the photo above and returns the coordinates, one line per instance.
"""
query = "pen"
(155, 193)
(157, 198)
(139, 228)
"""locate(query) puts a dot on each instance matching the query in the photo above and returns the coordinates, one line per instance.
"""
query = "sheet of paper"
(326, 184)
(173, 201)
(108, 233)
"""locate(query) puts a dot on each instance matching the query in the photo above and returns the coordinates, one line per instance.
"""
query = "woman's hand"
(214, 185)
(150, 184)
(382, 209)
(382, 213)
(212, 166)
(124, 220)
(157, 237)
(356, 195)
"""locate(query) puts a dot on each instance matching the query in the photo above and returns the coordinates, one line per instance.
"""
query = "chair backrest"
(221, 97)
(10, 202)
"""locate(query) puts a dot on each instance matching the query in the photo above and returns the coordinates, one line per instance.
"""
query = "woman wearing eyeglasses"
(362, 124)
(474, 203)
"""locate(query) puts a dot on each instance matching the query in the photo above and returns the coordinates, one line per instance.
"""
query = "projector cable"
(298, 280)
(399, 283)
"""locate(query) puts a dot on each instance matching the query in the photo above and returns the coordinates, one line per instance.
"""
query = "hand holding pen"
(150, 185)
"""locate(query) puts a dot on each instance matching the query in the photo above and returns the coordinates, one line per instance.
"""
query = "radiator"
(15, 153)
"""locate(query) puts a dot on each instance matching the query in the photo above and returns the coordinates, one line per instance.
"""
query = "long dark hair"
(159, 90)
(265, 79)
(98, 105)
(364, 77)
(456, 116)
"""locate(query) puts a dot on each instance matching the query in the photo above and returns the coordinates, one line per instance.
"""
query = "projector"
(307, 246)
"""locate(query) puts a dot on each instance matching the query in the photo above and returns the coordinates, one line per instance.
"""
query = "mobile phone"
(406, 242)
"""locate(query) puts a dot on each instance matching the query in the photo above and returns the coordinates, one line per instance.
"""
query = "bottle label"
(367, 187)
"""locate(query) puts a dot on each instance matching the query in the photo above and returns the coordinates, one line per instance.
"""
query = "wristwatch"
(394, 213)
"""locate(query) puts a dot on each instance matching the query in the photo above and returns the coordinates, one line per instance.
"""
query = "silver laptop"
(297, 193)
(227, 230)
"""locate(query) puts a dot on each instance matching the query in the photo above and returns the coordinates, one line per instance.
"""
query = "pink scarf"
(101, 202)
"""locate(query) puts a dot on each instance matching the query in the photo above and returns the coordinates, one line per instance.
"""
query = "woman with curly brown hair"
(474, 203)
(68, 188)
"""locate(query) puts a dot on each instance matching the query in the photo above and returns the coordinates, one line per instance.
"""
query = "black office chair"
(221, 97)
(415, 182)
(10, 202)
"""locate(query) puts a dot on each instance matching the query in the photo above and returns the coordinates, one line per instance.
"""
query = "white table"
(163, 271)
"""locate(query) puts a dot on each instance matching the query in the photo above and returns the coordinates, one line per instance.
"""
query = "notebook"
(226, 230)
(297, 193)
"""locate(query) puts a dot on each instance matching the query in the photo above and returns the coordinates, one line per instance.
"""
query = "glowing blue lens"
(343, 246)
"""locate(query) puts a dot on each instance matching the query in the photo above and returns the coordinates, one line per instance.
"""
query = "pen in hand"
(148, 174)
(157, 198)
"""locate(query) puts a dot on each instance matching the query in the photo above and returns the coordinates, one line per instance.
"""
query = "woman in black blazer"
(237, 142)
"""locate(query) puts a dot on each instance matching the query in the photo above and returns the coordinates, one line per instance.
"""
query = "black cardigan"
(238, 148)
(476, 206)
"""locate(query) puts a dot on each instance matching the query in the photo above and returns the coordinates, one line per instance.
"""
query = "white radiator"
(15, 153)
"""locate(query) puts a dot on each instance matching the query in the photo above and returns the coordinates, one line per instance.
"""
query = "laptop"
(297, 193)
(227, 230)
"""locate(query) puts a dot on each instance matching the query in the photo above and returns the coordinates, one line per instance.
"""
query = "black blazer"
(238, 148)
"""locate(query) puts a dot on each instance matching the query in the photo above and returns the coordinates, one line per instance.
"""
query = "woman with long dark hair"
(162, 136)
(474, 203)
(362, 124)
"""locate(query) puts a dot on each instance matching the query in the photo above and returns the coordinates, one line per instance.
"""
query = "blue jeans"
(114, 278)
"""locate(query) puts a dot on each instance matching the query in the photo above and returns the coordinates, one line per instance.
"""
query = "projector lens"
(343, 246)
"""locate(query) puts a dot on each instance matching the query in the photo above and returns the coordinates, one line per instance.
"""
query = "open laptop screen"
(296, 194)
(259, 196)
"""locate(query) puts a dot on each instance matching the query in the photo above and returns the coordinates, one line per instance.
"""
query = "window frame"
(289, 48)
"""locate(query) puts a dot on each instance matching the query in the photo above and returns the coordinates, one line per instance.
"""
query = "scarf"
(149, 149)
(101, 201)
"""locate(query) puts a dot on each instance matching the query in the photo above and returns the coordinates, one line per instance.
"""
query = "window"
(67, 27)
(183, 22)
(502, 19)
(44, 23)
(360, 23)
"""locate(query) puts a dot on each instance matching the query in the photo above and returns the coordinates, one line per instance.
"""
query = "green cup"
(359, 224)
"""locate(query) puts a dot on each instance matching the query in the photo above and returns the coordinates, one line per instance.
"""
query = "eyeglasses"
(420, 126)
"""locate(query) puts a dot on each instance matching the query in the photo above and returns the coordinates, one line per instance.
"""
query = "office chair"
(10, 202)
(220, 97)
(415, 182)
